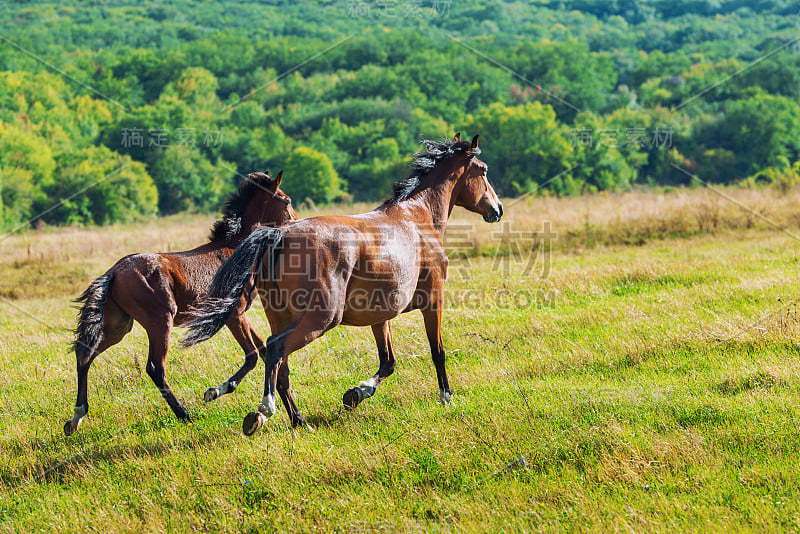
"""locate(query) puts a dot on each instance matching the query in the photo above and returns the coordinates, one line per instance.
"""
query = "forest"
(115, 111)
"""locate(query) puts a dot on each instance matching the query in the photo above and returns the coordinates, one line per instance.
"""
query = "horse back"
(165, 282)
(367, 267)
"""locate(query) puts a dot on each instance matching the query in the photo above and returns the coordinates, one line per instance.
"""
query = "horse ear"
(457, 138)
(474, 142)
(278, 179)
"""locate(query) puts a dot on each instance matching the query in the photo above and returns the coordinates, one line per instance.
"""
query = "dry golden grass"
(637, 217)
(577, 223)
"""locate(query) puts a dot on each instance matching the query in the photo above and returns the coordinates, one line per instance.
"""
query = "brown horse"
(157, 290)
(317, 273)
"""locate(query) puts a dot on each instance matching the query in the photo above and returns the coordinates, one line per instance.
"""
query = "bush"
(312, 176)
(188, 181)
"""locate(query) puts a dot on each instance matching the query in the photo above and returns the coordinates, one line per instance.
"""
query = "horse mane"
(230, 224)
(424, 162)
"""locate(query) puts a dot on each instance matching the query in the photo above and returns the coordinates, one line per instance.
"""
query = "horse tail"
(230, 282)
(90, 316)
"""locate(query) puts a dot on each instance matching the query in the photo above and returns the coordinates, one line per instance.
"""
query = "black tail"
(229, 284)
(90, 316)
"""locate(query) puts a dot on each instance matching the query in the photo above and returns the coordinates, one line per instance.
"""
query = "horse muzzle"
(494, 214)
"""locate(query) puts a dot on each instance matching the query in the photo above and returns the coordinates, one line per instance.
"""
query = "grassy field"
(647, 380)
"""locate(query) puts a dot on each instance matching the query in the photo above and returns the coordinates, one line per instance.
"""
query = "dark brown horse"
(157, 290)
(317, 273)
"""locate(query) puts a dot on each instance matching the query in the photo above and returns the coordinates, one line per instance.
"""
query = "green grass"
(655, 388)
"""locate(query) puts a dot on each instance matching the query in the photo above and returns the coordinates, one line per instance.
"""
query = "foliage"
(524, 146)
(187, 181)
(116, 188)
(313, 177)
(783, 176)
(252, 82)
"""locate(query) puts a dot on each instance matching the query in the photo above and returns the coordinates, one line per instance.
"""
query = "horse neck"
(246, 229)
(252, 215)
(246, 226)
(438, 197)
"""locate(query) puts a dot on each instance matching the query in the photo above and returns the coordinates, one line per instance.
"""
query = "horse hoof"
(211, 394)
(351, 398)
(253, 422)
(300, 421)
(446, 398)
(69, 429)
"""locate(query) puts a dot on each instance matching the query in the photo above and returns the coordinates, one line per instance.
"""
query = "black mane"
(423, 162)
(231, 222)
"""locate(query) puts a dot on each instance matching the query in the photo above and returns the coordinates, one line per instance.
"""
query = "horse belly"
(369, 304)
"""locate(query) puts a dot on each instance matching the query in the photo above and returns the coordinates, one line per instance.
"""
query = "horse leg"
(366, 389)
(252, 343)
(283, 385)
(287, 396)
(116, 324)
(158, 334)
(297, 335)
(278, 322)
(433, 328)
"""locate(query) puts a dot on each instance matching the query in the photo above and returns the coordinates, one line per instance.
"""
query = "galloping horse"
(317, 273)
(157, 290)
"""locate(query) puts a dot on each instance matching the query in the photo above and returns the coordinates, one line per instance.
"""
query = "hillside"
(124, 110)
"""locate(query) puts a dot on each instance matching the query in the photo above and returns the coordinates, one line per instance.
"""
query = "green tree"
(256, 149)
(382, 165)
(27, 164)
(759, 131)
(312, 176)
(196, 86)
(523, 146)
(569, 71)
(601, 165)
(114, 188)
(188, 181)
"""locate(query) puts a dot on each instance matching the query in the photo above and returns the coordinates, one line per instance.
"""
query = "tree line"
(158, 109)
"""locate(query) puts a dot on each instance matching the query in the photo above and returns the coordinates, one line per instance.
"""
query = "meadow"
(639, 373)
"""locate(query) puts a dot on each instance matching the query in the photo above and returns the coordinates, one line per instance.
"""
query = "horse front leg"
(433, 328)
(252, 344)
(366, 389)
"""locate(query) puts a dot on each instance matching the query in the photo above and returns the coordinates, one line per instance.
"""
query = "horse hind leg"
(366, 389)
(300, 333)
(287, 397)
(274, 356)
(116, 324)
(158, 335)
